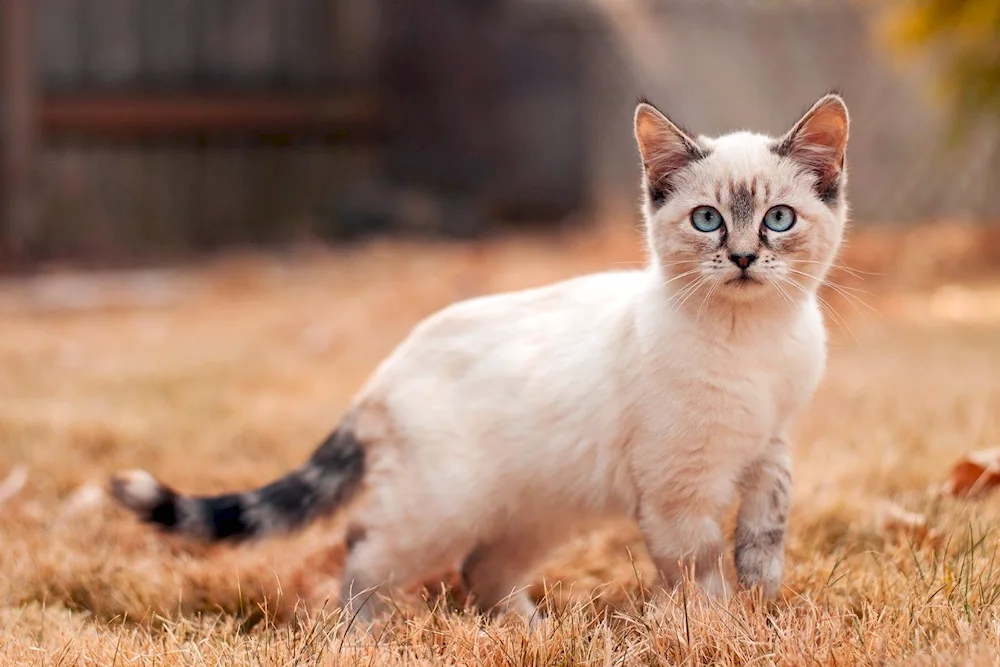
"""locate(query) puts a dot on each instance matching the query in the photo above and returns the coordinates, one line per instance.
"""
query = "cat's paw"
(760, 564)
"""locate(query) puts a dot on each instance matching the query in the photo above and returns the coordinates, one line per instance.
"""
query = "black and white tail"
(320, 486)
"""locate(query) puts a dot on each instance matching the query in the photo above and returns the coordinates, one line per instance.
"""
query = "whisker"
(852, 289)
(828, 281)
(682, 275)
(841, 290)
(639, 262)
(708, 296)
(854, 273)
(692, 292)
(679, 294)
(686, 293)
(857, 273)
(782, 292)
(837, 318)
(834, 315)
(854, 298)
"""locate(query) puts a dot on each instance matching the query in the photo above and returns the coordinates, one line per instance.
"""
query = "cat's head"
(747, 215)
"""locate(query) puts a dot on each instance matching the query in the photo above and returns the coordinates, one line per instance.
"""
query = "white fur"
(137, 489)
(505, 423)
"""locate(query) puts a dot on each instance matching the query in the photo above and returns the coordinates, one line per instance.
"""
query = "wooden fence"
(132, 129)
(144, 128)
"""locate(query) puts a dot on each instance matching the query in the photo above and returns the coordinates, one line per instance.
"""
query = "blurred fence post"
(16, 127)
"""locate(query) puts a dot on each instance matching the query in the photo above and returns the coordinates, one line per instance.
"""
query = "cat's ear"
(665, 149)
(819, 143)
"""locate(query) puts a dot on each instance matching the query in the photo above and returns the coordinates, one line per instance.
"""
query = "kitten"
(505, 423)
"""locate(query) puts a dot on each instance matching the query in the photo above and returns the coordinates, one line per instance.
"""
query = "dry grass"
(225, 374)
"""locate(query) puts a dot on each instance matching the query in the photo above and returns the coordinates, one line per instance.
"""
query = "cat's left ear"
(819, 143)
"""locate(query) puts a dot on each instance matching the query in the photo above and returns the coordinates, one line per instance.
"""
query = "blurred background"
(218, 216)
(135, 131)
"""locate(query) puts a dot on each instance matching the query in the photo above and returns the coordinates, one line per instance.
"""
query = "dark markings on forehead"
(741, 203)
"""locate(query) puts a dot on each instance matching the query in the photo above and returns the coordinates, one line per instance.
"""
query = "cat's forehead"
(740, 151)
(740, 158)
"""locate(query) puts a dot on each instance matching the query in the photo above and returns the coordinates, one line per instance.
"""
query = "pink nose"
(743, 260)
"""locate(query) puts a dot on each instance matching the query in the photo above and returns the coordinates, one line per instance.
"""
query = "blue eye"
(706, 219)
(779, 218)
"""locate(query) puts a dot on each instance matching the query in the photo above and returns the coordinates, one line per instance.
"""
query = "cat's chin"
(746, 288)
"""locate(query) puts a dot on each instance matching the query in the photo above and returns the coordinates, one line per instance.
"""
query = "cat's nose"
(743, 259)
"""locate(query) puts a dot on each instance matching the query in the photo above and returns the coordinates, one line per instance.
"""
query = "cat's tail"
(325, 482)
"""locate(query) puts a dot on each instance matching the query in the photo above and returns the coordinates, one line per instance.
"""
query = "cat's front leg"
(763, 515)
(682, 543)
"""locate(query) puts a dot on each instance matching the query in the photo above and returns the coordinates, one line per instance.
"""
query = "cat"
(504, 424)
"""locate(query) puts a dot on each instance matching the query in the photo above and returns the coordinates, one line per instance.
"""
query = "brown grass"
(225, 374)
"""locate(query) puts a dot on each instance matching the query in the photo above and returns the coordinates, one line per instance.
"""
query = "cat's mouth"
(744, 280)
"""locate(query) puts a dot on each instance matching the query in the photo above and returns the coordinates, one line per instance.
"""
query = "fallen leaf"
(976, 474)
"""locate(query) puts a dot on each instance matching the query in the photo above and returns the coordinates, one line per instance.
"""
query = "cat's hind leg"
(498, 570)
(391, 547)
(495, 572)
(369, 572)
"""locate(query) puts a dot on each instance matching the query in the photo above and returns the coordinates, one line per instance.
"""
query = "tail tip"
(138, 490)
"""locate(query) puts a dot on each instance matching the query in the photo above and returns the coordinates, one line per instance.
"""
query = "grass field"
(226, 373)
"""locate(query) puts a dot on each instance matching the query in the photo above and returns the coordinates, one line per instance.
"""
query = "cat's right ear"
(818, 142)
(665, 149)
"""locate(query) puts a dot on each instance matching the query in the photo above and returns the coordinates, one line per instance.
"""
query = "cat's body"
(505, 423)
(593, 391)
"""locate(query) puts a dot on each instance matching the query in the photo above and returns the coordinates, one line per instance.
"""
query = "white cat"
(503, 424)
